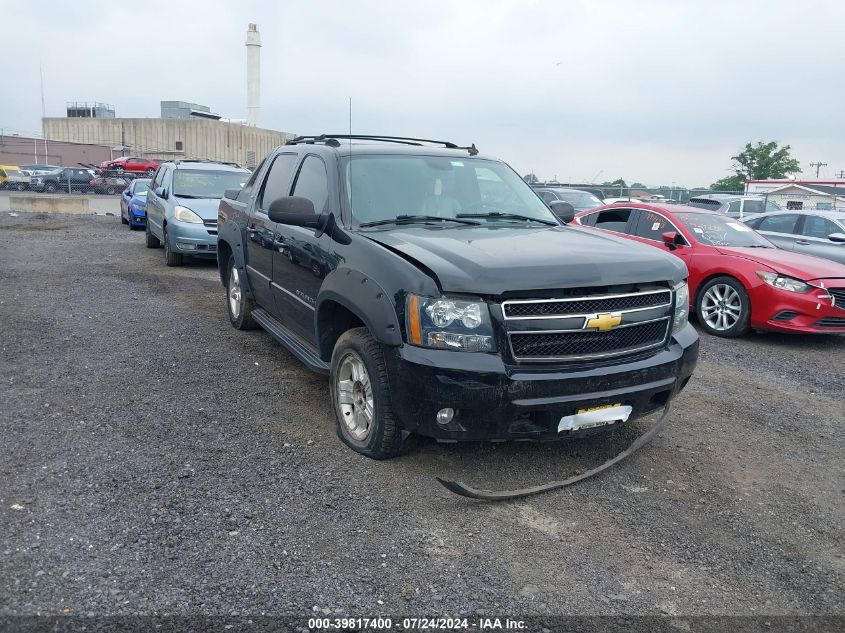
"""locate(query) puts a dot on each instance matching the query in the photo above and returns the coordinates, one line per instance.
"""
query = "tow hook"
(464, 490)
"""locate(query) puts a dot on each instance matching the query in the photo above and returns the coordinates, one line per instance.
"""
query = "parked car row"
(111, 177)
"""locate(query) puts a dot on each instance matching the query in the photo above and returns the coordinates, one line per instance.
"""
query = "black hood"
(489, 260)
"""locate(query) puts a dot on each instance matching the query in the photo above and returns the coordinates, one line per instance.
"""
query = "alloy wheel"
(235, 293)
(721, 307)
(355, 397)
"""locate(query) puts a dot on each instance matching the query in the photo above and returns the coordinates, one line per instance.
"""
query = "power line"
(818, 166)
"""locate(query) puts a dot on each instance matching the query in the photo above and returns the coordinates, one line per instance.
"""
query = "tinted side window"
(246, 190)
(753, 206)
(156, 183)
(613, 219)
(165, 177)
(277, 183)
(312, 182)
(589, 219)
(779, 223)
(652, 226)
(814, 226)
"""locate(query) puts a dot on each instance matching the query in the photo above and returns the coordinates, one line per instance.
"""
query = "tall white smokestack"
(253, 74)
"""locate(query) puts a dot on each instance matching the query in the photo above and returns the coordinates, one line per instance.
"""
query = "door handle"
(802, 242)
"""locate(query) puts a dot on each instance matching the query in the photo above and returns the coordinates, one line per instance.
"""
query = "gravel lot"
(158, 461)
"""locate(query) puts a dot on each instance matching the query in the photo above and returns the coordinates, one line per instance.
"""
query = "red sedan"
(130, 164)
(738, 280)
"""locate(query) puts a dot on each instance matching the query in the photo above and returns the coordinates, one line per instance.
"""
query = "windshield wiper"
(185, 195)
(410, 219)
(506, 216)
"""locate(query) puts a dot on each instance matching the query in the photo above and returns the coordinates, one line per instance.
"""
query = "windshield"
(383, 187)
(581, 200)
(719, 230)
(196, 183)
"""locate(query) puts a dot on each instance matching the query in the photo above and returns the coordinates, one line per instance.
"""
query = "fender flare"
(231, 233)
(371, 304)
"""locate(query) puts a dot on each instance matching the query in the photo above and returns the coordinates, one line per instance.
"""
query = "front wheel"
(50, 187)
(239, 305)
(361, 396)
(723, 308)
(170, 258)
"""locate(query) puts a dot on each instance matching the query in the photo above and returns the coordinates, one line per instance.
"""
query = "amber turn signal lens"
(414, 328)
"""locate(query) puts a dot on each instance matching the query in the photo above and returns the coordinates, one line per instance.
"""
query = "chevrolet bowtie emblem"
(603, 322)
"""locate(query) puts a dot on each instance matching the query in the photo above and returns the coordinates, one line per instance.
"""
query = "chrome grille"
(554, 308)
(839, 295)
(581, 344)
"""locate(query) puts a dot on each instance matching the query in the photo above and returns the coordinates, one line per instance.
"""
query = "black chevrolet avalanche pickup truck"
(444, 298)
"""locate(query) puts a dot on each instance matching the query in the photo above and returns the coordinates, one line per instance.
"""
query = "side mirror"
(837, 238)
(161, 192)
(232, 194)
(672, 239)
(564, 211)
(295, 211)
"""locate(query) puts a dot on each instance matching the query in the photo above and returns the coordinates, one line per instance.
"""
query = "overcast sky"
(654, 91)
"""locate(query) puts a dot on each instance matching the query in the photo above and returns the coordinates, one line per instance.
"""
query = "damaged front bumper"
(496, 402)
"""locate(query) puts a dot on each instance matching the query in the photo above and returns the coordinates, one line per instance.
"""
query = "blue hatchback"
(133, 203)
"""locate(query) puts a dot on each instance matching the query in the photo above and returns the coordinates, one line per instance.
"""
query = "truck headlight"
(447, 323)
(681, 316)
(184, 214)
(784, 283)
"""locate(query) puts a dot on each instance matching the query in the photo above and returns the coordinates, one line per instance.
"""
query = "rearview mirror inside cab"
(293, 210)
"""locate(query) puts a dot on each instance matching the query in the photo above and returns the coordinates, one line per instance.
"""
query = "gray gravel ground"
(155, 460)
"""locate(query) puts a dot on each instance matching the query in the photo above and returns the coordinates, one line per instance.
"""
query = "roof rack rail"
(205, 160)
(332, 141)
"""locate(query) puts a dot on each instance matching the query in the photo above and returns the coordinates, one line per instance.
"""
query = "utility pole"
(841, 174)
(818, 166)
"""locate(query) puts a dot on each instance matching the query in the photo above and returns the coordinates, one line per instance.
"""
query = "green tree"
(730, 183)
(530, 179)
(759, 162)
(765, 160)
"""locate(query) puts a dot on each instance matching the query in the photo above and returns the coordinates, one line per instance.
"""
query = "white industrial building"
(801, 194)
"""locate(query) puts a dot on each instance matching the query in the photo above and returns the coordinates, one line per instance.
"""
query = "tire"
(377, 435)
(150, 172)
(238, 305)
(20, 187)
(151, 240)
(123, 219)
(171, 258)
(316, 270)
(50, 187)
(723, 308)
(111, 191)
